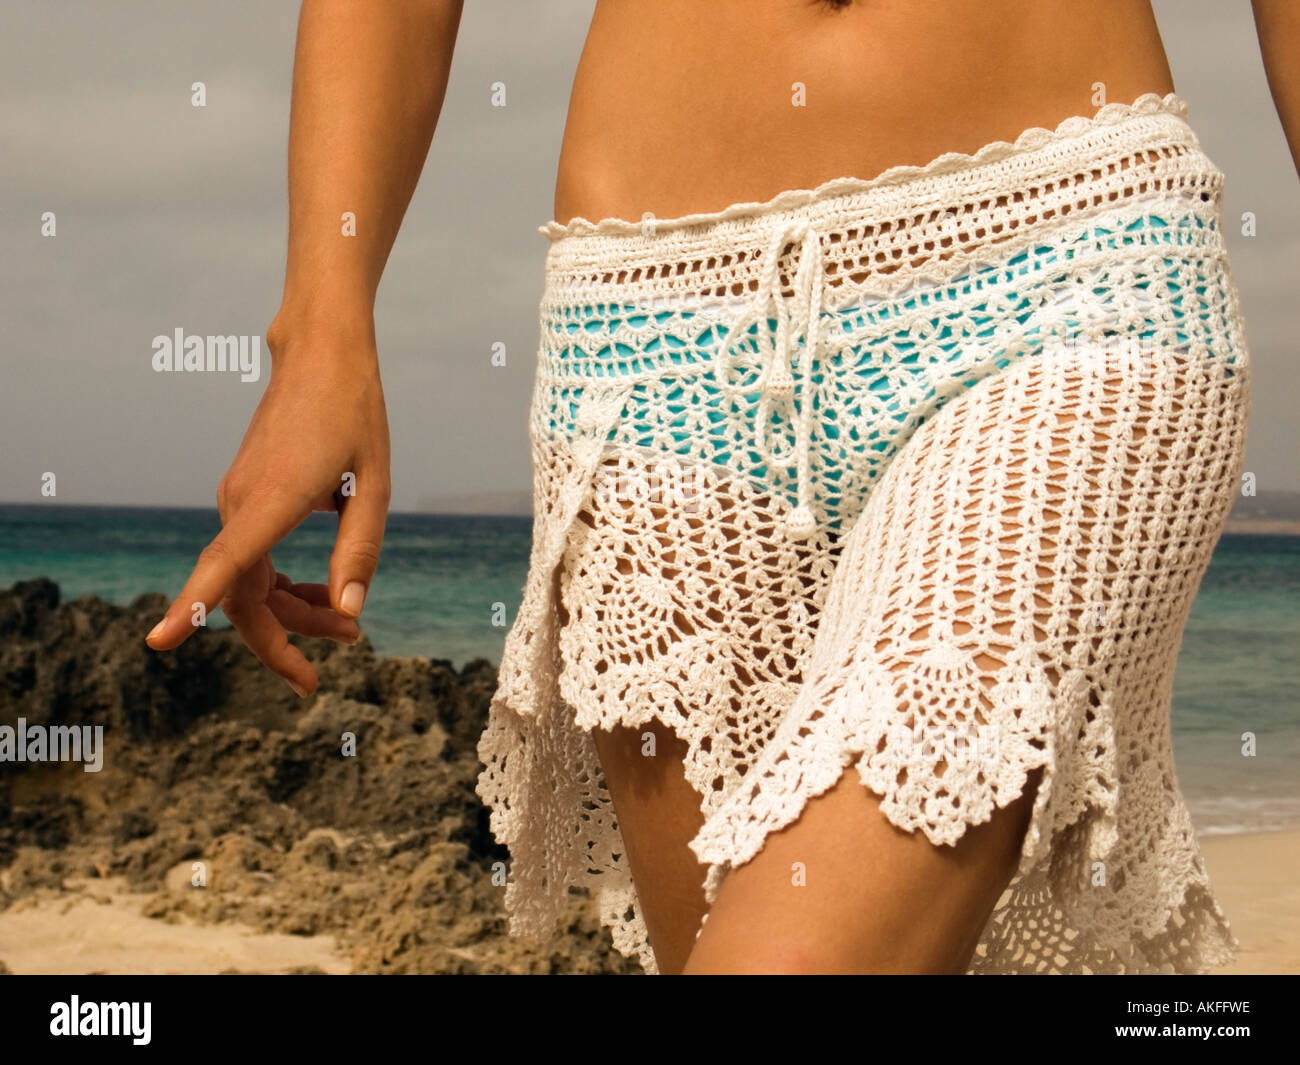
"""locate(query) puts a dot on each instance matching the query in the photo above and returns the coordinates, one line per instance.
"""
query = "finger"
(315, 594)
(356, 548)
(267, 639)
(250, 534)
(301, 617)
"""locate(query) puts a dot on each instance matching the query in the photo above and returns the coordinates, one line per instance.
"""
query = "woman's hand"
(368, 86)
(317, 441)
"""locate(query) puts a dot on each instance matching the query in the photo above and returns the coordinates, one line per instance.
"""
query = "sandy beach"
(226, 832)
(1256, 877)
(100, 926)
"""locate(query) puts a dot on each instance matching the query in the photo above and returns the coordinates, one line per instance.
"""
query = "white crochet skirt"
(916, 475)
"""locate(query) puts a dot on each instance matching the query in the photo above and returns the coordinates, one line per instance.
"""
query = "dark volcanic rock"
(211, 759)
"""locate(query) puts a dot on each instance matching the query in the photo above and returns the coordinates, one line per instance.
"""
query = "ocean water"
(438, 578)
(441, 575)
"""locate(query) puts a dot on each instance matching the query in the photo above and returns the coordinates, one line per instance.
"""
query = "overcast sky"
(171, 216)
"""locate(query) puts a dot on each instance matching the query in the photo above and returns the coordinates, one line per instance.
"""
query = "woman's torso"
(682, 106)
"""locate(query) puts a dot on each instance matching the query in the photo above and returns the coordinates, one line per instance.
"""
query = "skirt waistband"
(909, 223)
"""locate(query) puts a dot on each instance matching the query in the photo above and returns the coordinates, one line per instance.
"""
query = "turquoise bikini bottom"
(706, 384)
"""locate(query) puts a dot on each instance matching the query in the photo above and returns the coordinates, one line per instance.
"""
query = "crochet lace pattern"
(917, 475)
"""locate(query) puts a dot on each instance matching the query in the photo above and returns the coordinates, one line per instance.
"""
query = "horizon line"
(212, 508)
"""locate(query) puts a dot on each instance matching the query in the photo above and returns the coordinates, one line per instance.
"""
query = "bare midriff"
(688, 106)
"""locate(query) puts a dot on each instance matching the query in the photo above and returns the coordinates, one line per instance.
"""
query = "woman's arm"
(1277, 22)
(368, 84)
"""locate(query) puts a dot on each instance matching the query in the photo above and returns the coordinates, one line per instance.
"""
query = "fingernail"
(300, 691)
(155, 630)
(354, 597)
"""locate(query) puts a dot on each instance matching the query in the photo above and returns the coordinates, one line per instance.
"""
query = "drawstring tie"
(779, 363)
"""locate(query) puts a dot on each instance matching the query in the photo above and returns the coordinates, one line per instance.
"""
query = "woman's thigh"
(842, 890)
(658, 814)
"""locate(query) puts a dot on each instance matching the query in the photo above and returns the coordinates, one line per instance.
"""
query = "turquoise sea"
(441, 574)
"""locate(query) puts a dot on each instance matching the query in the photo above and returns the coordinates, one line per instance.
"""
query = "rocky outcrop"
(215, 772)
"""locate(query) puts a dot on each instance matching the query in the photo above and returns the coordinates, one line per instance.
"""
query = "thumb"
(356, 548)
